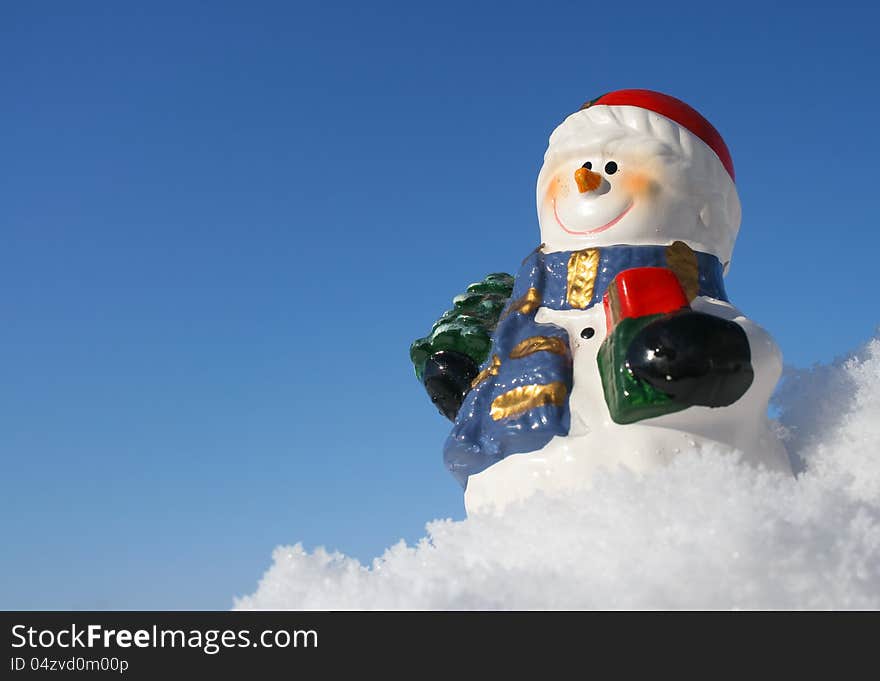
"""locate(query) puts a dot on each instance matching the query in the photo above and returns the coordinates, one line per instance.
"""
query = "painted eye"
(587, 165)
(610, 168)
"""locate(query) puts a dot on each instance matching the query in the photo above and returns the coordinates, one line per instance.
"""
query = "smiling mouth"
(595, 230)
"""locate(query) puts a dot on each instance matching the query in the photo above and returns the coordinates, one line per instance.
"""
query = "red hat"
(675, 110)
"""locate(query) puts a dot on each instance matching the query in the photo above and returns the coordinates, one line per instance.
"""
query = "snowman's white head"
(641, 168)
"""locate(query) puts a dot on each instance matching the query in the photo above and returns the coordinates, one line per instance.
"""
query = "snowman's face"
(625, 189)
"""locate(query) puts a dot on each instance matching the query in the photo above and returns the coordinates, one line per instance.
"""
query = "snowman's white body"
(596, 442)
(617, 175)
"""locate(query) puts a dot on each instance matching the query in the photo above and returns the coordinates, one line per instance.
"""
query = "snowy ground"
(703, 533)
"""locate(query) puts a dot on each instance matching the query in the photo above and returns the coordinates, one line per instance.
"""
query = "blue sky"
(223, 224)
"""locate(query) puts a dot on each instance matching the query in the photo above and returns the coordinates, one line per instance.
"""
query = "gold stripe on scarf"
(491, 370)
(683, 261)
(582, 268)
(526, 304)
(530, 346)
(520, 400)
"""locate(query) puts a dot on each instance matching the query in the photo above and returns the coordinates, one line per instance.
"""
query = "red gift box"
(642, 291)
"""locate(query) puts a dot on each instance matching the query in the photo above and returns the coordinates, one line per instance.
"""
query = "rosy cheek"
(556, 189)
(640, 185)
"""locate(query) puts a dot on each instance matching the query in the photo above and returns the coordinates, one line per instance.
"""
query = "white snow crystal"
(705, 532)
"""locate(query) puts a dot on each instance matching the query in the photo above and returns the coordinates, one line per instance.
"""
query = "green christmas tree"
(466, 328)
(460, 341)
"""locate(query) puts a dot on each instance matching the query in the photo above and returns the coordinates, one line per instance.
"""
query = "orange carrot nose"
(587, 180)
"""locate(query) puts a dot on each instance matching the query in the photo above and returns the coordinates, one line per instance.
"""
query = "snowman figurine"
(618, 346)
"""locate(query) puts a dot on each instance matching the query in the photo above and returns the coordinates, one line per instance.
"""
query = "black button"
(589, 332)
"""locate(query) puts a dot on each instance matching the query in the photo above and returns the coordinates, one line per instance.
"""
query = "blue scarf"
(519, 401)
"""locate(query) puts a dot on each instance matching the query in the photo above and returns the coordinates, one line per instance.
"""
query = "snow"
(703, 533)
